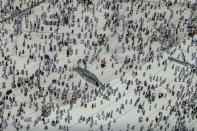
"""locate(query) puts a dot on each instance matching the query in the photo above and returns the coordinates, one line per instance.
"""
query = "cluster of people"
(125, 43)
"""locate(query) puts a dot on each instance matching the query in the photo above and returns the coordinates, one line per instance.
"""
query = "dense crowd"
(42, 42)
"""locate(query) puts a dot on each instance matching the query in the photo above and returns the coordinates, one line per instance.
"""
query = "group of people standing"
(42, 41)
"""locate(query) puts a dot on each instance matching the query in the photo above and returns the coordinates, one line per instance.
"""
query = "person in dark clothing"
(67, 53)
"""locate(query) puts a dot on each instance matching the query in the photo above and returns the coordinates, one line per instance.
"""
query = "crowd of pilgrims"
(143, 37)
